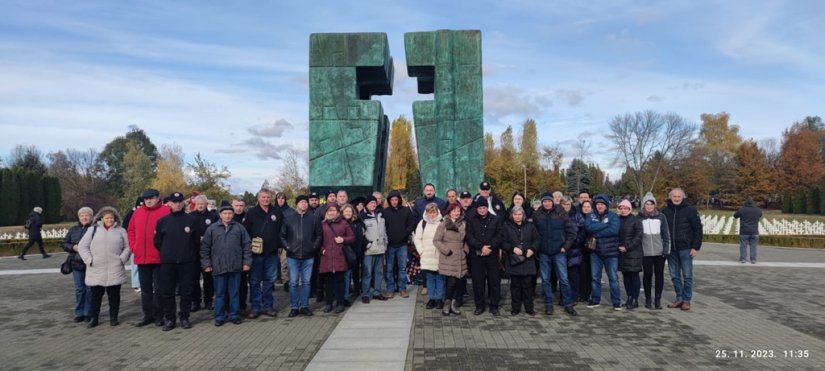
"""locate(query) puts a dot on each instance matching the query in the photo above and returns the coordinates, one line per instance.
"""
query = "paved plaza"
(774, 310)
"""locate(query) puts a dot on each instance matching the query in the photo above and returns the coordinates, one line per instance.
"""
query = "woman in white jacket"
(105, 250)
(423, 238)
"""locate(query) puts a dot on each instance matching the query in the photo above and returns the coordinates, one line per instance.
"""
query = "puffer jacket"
(656, 238)
(555, 229)
(73, 237)
(176, 239)
(300, 235)
(142, 232)
(107, 254)
(449, 239)
(226, 248)
(423, 239)
(332, 253)
(630, 236)
(606, 230)
(526, 237)
(685, 226)
(375, 234)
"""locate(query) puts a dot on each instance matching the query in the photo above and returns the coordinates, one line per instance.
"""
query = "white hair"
(201, 198)
(85, 210)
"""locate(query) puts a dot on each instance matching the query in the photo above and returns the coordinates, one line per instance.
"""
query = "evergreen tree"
(24, 205)
(800, 202)
(53, 203)
(787, 203)
(822, 196)
(9, 198)
(812, 199)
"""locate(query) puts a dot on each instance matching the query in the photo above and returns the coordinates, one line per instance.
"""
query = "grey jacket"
(375, 234)
(105, 254)
(656, 234)
(226, 248)
(749, 216)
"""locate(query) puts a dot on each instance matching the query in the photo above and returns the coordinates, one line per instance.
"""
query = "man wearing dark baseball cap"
(179, 248)
(494, 204)
(141, 234)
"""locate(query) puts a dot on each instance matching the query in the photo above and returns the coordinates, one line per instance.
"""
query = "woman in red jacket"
(333, 266)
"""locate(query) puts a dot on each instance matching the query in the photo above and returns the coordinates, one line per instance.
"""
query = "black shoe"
(339, 309)
(218, 323)
(514, 312)
(209, 305)
(365, 299)
(347, 303)
(185, 324)
(195, 307)
(114, 322)
(530, 312)
(658, 303)
(168, 326)
(647, 303)
(87, 319)
(144, 322)
(237, 321)
(548, 310)
(286, 286)
(271, 313)
(439, 304)
(93, 323)
(430, 304)
(319, 298)
(49, 256)
(306, 311)
(253, 315)
(478, 311)
(79, 319)
(379, 297)
(328, 308)
(159, 323)
(21, 257)
(494, 311)
(458, 302)
(569, 310)
(292, 313)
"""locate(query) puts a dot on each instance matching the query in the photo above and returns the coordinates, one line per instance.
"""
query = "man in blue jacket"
(557, 237)
(604, 225)
(685, 242)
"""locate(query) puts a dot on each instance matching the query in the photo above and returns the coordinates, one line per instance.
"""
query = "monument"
(449, 130)
(348, 132)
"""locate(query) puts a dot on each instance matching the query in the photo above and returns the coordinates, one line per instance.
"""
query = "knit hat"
(371, 198)
(648, 197)
(626, 204)
(301, 198)
(225, 208)
(546, 196)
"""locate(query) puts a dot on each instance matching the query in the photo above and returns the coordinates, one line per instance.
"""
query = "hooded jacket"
(748, 216)
(399, 220)
(423, 239)
(605, 227)
(449, 239)
(555, 228)
(142, 232)
(685, 226)
(35, 224)
(106, 253)
(656, 235)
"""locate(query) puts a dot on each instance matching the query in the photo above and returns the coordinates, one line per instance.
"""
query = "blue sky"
(230, 81)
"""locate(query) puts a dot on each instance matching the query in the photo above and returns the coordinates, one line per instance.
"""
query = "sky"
(229, 80)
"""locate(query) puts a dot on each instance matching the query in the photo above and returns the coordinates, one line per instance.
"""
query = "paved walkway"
(775, 306)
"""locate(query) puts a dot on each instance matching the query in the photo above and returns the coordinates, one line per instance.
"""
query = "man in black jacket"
(264, 221)
(685, 241)
(557, 237)
(484, 240)
(400, 225)
(203, 219)
(178, 245)
(748, 216)
(494, 204)
(301, 237)
(34, 224)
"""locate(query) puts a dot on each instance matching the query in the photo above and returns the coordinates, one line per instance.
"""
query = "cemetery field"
(13, 229)
(775, 214)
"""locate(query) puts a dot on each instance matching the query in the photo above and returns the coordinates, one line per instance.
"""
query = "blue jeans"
(680, 264)
(135, 275)
(371, 275)
(435, 285)
(231, 281)
(746, 240)
(397, 255)
(347, 282)
(300, 271)
(611, 266)
(557, 263)
(262, 279)
(82, 295)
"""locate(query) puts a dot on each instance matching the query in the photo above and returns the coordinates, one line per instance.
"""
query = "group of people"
(328, 249)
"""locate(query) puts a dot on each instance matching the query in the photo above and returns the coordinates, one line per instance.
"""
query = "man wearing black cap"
(141, 234)
(494, 204)
(178, 243)
(301, 238)
(483, 238)
(557, 237)
(313, 202)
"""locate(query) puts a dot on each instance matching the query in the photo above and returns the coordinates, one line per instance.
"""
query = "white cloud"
(275, 129)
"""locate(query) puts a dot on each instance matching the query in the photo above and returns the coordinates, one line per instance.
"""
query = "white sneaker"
(137, 289)
(617, 308)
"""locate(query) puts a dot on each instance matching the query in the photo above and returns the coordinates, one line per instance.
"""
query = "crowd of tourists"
(227, 259)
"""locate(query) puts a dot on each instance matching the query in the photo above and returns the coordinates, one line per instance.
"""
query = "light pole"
(525, 180)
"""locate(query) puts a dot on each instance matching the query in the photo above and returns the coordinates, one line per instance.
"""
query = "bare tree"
(293, 177)
(582, 146)
(638, 136)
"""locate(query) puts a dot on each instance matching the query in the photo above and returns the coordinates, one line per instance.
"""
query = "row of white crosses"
(716, 224)
(51, 233)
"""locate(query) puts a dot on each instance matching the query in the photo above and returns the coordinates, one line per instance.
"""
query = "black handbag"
(349, 253)
(66, 267)
(516, 259)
